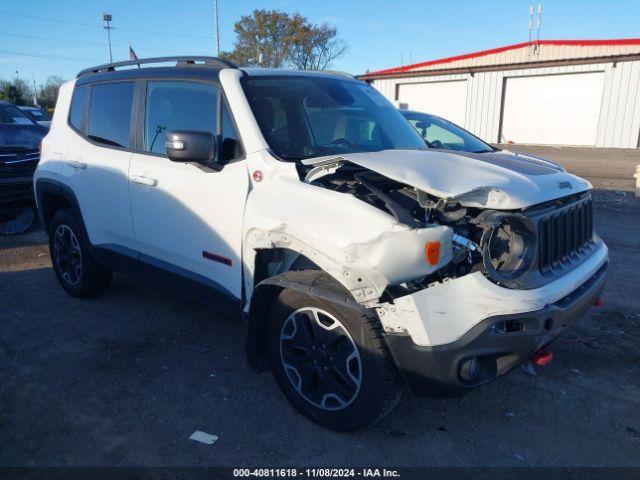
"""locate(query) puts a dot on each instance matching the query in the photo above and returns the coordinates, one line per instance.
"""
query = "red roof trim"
(482, 53)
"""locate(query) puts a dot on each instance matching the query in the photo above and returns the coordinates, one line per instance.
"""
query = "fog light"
(507, 326)
(469, 369)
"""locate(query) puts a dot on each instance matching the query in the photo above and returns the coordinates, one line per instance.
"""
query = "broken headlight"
(508, 247)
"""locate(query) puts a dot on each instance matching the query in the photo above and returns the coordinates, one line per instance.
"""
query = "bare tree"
(49, 91)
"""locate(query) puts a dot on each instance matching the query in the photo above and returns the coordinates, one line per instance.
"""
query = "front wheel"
(331, 362)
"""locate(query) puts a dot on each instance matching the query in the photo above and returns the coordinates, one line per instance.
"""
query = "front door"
(188, 218)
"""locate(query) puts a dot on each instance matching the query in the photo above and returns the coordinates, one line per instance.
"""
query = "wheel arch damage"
(314, 282)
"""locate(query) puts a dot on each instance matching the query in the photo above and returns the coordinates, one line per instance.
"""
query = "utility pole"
(35, 91)
(107, 26)
(215, 18)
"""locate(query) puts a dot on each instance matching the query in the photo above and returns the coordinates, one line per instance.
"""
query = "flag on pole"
(132, 54)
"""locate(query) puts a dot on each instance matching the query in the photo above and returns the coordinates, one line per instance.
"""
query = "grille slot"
(18, 164)
(564, 235)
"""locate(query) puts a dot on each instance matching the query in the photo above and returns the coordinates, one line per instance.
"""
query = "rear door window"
(110, 113)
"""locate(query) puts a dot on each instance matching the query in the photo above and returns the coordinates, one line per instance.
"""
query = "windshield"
(305, 116)
(39, 114)
(440, 133)
(13, 115)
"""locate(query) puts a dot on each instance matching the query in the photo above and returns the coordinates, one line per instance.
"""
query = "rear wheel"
(331, 362)
(77, 271)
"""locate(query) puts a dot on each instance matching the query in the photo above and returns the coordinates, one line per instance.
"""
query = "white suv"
(361, 258)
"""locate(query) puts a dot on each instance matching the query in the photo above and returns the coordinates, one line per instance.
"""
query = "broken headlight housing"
(508, 246)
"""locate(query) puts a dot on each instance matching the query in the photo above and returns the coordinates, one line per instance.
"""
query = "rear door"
(188, 218)
(96, 165)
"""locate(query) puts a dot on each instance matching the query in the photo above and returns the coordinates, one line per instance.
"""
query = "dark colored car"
(442, 134)
(19, 155)
(37, 114)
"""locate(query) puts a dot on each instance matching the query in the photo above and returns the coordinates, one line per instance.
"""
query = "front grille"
(16, 195)
(18, 163)
(563, 235)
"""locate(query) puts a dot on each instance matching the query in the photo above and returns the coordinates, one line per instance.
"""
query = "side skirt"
(191, 285)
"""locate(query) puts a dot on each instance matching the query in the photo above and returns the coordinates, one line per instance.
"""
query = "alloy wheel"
(67, 254)
(320, 358)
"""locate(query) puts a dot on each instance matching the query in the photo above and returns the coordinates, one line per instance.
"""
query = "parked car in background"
(443, 134)
(36, 114)
(20, 139)
(362, 260)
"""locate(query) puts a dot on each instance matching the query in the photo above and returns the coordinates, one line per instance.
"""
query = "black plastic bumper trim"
(434, 371)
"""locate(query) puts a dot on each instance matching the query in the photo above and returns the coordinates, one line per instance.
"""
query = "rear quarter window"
(79, 107)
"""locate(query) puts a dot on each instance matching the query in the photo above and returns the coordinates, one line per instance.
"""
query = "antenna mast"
(215, 15)
(539, 25)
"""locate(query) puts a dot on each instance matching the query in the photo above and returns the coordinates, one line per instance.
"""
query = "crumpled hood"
(497, 180)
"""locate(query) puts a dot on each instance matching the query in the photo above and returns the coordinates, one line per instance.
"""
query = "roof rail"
(142, 61)
(339, 73)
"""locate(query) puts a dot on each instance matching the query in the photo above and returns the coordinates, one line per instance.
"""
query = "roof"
(260, 72)
(541, 51)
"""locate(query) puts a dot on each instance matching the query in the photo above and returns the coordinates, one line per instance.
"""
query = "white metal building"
(554, 92)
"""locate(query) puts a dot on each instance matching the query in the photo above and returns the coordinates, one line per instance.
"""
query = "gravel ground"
(124, 379)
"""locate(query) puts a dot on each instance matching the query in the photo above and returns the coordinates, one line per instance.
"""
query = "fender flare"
(59, 189)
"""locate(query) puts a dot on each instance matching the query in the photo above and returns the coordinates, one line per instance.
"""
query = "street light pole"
(215, 16)
(107, 26)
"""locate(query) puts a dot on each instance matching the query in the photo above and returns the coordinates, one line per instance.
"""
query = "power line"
(42, 55)
(68, 22)
(82, 42)
(124, 29)
(50, 39)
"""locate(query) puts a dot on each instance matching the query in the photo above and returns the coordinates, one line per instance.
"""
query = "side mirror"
(191, 146)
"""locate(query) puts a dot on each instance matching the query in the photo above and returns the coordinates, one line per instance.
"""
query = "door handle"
(76, 164)
(142, 180)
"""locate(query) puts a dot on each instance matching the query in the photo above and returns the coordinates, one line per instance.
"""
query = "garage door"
(445, 99)
(552, 109)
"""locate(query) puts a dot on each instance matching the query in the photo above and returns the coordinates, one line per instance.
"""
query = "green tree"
(276, 39)
(16, 91)
(316, 47)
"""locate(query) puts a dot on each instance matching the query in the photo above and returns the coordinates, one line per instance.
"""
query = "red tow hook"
(542, 357)
(598, 302)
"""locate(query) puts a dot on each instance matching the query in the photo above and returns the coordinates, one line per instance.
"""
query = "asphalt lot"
(605, 168)
(126, 378)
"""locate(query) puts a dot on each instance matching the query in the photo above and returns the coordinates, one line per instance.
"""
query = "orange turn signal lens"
(432, 252)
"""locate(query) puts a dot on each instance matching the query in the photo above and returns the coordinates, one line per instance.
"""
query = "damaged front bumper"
(495, 328)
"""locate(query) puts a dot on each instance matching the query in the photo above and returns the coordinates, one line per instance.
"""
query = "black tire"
(380, 386)
(91, 278)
